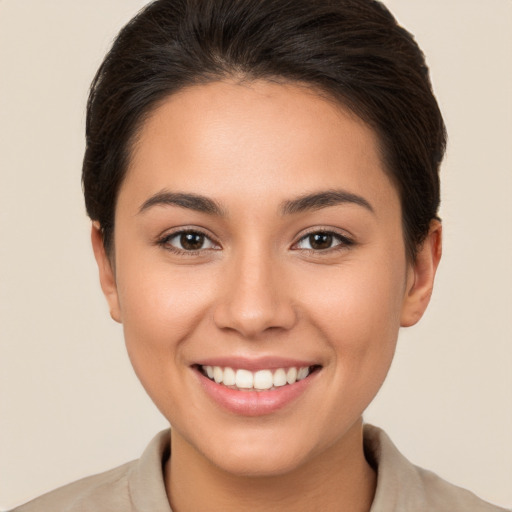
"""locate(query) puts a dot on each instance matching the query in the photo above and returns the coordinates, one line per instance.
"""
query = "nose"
(255, 297)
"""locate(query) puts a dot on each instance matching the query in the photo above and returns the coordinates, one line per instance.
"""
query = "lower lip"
(254, 403)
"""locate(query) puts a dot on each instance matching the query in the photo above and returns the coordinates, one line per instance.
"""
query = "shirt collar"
(146, 479)
(399, 486)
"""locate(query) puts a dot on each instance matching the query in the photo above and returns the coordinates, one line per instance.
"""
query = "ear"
(421, 274)
(107, 275)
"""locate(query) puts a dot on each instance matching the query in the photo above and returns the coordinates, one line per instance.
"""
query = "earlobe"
(420, 282)
(106, 272)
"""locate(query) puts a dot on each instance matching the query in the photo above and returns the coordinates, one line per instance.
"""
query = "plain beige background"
(69, 402)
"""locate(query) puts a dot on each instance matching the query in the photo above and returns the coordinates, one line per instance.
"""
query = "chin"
(263, 464)
(260, 452)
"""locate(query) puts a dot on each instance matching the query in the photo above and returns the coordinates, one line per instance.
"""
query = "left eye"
(322, 241)
(189, 241)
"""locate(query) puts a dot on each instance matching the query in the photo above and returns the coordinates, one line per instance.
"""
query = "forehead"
(260, 139)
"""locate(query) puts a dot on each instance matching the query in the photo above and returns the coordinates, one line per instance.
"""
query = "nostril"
(252, 318)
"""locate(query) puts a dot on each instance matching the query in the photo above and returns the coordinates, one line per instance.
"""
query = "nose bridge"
(255, 297)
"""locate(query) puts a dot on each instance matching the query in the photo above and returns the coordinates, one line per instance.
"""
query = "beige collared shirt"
(138, 486)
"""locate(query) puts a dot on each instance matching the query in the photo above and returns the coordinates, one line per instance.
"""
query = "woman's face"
(257, 236)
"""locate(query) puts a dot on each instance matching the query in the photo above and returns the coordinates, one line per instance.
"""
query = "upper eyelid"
(345, 241)
(189, 229)
(167, 235)
(164, 239)
(331, 231)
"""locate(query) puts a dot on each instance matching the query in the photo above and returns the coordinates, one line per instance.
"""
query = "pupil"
(191, 241)
(320, 240)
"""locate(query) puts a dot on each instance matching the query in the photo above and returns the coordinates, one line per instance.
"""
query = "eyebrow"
(200, 203)
(195, 202)
(323, 199)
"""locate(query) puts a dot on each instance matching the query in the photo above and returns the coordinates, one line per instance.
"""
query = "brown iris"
(192, 241)
(319, 241)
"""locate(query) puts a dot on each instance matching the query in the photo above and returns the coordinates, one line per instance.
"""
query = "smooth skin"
(256, 283)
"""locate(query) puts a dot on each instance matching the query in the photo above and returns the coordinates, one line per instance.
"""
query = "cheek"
(161, 301)
(357, 303)
(357, 309)
(161, 308)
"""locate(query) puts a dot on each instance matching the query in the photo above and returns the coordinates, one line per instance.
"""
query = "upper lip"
(256, 363)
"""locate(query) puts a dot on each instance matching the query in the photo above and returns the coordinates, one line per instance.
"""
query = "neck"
(338, 479)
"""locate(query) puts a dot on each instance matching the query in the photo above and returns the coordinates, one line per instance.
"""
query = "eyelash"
(343, 242)
(165, 242)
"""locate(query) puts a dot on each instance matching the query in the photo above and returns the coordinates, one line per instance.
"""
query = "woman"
(263, 183)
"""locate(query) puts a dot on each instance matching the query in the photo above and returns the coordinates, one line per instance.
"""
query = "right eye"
(323, 241)
(188, 241)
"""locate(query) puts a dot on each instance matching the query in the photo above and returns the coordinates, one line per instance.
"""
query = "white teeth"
(260, 380)
(291, 375)
(218, 374)
(244, 379)
(302, 373)
(263, 379)
(279, 378)
(229, 377)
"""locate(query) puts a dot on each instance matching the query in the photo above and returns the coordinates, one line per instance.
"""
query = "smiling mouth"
(261, 380)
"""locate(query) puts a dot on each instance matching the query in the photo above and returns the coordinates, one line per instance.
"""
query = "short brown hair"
(352, 50)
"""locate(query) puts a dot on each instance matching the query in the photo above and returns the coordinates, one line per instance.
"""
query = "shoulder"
(402, 486)
(136, 486)
(106, 491)
(442, 495)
